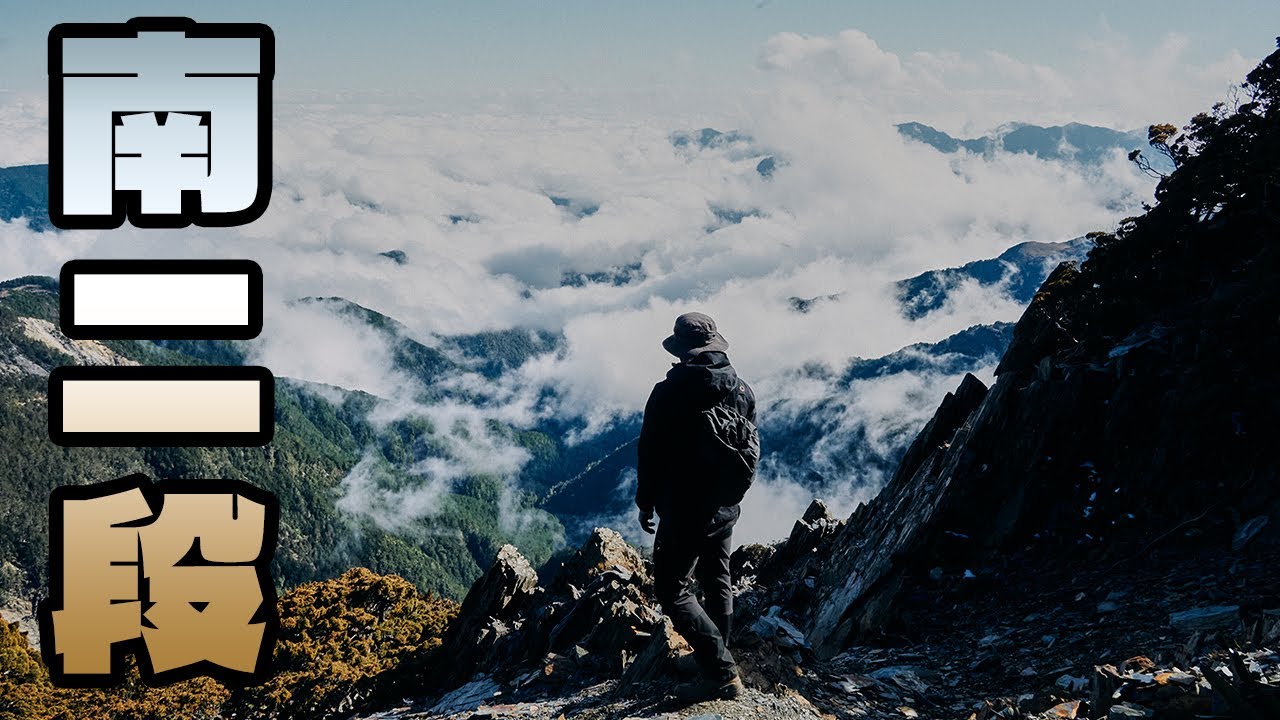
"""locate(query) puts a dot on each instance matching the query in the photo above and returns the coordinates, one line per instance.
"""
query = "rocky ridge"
(593, 644)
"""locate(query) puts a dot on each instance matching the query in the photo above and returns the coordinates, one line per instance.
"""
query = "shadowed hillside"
(24, 193)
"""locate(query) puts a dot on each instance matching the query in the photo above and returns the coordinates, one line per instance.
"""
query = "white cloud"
(309, 341)
(365, 492)
(24, 129)
(851, 56)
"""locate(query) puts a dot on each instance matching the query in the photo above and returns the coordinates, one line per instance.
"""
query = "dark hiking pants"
(681, 551)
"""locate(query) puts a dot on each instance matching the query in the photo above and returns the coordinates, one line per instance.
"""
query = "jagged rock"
(771, 628)
(1269, 626)
(605, 551)
(783, 574)
(1247, 531)
(1126, 711)
(1244, 684)
(1220, 618)
(859, 579)
(747, 560)
(1071, 683)
(483, 630)
(810, 529)
(1040, 331)
(466, 697)
(938, 433)
(1103, 685)
(508, 712)
(609, 620)
(509, 581)
(1076, 453)
(1066, 711)
(596, 616)
(907, 678)
(600, 602)
(655, 660)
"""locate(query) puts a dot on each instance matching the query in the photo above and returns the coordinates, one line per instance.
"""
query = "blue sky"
(481, 47)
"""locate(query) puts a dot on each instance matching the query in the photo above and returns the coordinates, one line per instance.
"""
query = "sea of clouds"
(467, 198)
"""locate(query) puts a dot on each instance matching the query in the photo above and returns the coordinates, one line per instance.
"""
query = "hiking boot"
(709, 689)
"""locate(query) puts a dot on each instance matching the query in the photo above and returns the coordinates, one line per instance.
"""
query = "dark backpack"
(729, 449)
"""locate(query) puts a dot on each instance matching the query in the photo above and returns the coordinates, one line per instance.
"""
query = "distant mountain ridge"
(1073, 141)
(1022, 267)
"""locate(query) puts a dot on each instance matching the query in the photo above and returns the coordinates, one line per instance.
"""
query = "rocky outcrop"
(1113, 425)
(83, 352)
(655, 660)
(487, 628)
(1087, 448)
(1133, 410)
(865, 565)
(779, 580)
(595, 616)
(599, 605)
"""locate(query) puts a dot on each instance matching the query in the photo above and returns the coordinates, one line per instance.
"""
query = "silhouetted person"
(694, 535)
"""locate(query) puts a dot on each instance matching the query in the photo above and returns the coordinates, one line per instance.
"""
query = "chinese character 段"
(186, 587)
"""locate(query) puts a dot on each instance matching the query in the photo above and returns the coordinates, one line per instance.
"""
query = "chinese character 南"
(164, 120)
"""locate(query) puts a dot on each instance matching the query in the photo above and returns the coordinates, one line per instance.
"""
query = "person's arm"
(647, 454)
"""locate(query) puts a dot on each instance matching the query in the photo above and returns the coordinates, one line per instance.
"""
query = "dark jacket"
(667, 482)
